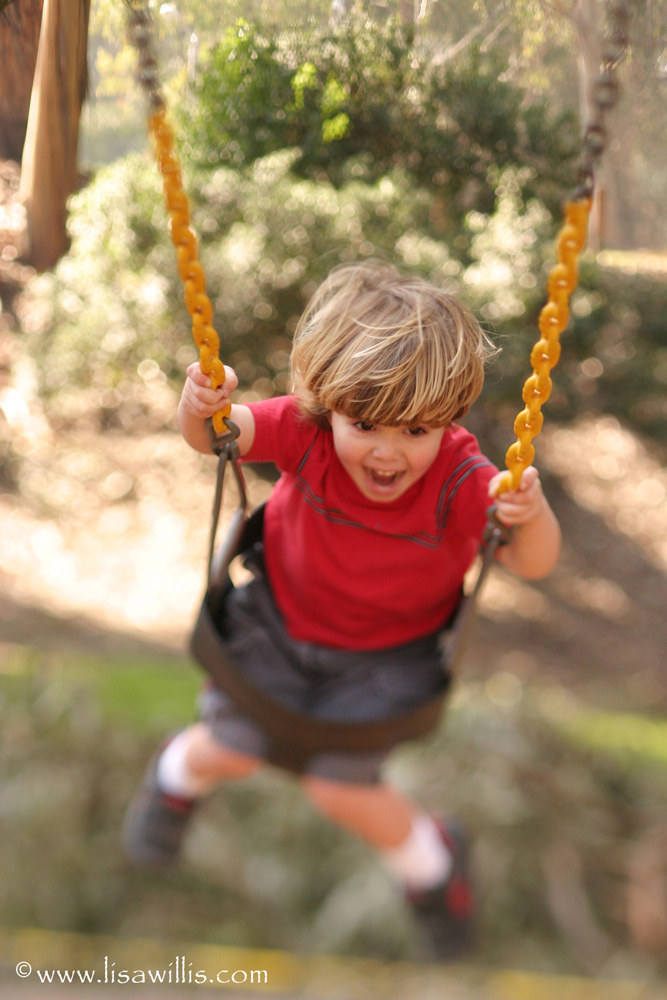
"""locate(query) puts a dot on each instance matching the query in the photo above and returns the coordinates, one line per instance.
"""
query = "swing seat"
(294, 736)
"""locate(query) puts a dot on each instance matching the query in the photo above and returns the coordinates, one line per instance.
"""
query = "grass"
(147, 695)
(634, 740)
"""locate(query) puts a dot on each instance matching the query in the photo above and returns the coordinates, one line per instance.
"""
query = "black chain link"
(141, 32)
(604, 98)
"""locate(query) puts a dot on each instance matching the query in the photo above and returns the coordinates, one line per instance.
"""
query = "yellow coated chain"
(571, 241)
(197, 301)
(546, 352)
(198, 304)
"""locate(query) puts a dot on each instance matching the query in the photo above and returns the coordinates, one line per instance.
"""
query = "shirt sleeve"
(282, 433)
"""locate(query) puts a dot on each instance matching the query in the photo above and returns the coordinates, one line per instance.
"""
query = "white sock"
(173, 774)
(422, 861)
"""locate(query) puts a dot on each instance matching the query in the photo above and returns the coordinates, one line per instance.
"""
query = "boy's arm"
(536, 539)
(199, 402)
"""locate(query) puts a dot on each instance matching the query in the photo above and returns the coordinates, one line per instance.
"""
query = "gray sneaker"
(446, 913)
(155, 822)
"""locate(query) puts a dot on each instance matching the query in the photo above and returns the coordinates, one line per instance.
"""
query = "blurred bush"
(110, 129)
(110, 321)
(360, 91)
(435, 168)
(109, 336)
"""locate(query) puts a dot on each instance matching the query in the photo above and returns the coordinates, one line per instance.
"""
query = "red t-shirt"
(351, 573)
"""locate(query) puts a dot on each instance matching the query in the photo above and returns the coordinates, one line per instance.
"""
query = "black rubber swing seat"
(295, 736)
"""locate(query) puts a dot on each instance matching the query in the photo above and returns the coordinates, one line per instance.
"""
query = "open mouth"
(383, 478)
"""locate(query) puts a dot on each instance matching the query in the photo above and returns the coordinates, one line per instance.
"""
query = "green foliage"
(614, 357)
(110, 130)
(360, 90)
(635, 740)
(311, 149)
(109, 332)
(616, 361)
(111, 316)
(252, 99)
(101, 302)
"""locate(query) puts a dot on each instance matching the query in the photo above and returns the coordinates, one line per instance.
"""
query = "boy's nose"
(386, 448)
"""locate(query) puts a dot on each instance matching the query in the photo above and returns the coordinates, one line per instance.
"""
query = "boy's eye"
(363, 426)
(416, 431)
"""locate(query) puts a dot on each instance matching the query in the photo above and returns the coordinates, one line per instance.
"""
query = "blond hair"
(387, 349)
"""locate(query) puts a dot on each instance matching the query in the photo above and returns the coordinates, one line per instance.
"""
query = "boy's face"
(382, 461)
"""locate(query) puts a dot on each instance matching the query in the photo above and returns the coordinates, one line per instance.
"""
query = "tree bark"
(49, 167)
(19, 37)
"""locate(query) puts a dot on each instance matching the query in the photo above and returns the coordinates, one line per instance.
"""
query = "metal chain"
(604, 98)
(198, 304)
(571, 241)
(546, 352)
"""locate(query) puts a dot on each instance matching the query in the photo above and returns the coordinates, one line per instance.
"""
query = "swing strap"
(197, 302)
(458, 635)
(226, 447)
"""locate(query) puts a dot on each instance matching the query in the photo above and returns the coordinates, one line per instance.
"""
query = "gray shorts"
(324, 682)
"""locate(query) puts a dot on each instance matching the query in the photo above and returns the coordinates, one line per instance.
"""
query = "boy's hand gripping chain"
(571, 241)
(198, 304)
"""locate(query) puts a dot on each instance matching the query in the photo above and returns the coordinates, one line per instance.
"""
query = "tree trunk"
(49, 173)
(19, 37)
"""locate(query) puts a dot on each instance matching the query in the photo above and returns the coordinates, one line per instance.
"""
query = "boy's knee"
(207, 757)
(328, 794)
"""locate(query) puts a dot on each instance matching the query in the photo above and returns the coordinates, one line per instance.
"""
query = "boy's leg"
(193, 763)
(404, 835)
(427, 856)
(185, 768)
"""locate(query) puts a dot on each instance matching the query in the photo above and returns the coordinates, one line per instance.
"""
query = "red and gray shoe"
(155, 822)
(446, 912)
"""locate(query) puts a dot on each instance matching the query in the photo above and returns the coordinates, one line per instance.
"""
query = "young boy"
(377, 515)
